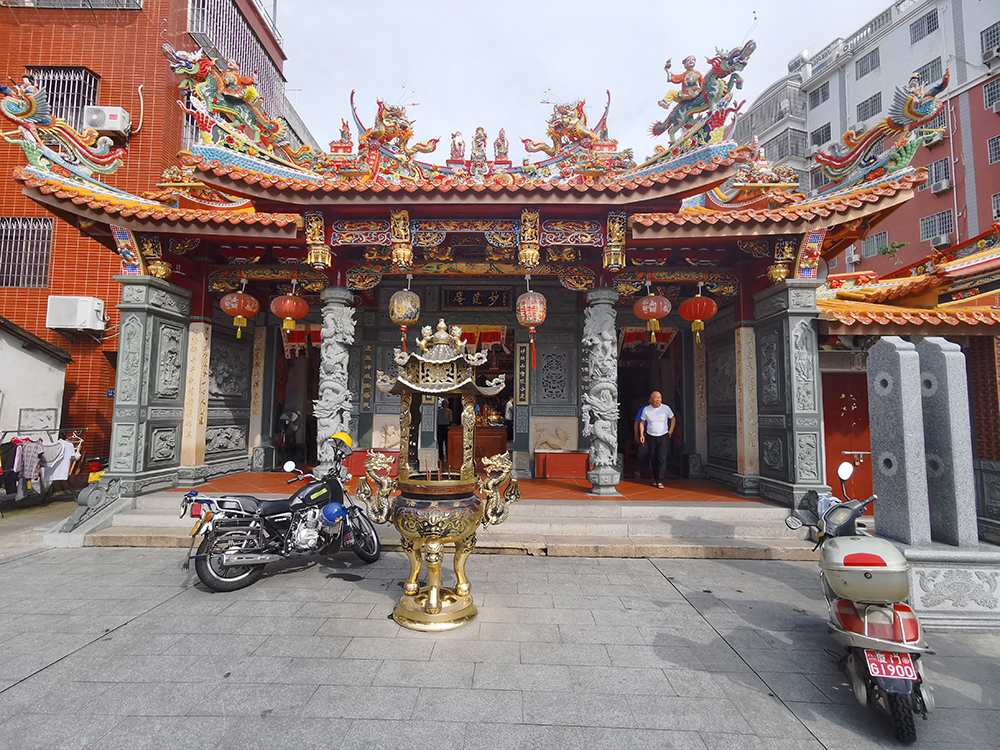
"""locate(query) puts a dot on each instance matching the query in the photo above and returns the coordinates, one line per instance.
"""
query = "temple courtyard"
(121, 648)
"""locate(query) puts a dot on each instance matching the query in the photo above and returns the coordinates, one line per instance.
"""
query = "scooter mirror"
(845, 470)
(793, 522)
(288, 466)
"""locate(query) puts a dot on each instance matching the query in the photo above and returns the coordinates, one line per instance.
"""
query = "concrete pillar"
(747, 455)
(333, 407)
(897, 437)
(600, 401)
(149, 387)
(789, 396)
(196, 394)
(951, 489)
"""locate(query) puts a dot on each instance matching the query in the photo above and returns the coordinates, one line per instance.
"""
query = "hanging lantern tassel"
(697, 326)
(531, 335)
(402, 337)
(652, 326)
(240, 322)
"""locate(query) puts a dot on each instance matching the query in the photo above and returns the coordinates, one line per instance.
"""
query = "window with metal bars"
(25, 247)
(70, 4)
(873, 244)
(926, 24)
(931, 72)
(989, 37)
(832, 264)
(991, 93)
(819, 179)
(940, 121)
(942, 223)
(937, 171)
(820, 135)
(68, 89)
(819, 95)
(996, 206)
(870, 107)
(993, 149)
(866, 64)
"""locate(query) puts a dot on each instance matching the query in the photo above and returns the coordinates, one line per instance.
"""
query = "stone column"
(789, 396)
(600, 401)
(149, 390)
(747, 454)
(951, 489)
(897, 436)
(255, 438)
(196, 394)
(333, 407)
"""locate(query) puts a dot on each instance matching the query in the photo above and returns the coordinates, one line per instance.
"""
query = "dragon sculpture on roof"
(82, 154)
(911, 108)
(704, 102)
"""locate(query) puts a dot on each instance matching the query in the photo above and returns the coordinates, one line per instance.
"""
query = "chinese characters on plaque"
(476, 298)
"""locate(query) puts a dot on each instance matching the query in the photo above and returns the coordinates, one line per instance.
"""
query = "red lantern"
(651, 308)
(530, 310)
(290, 308)
(241, 306)
(698, 309)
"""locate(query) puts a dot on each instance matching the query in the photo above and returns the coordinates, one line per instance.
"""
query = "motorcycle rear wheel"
(208, 565)
(366, 542)
(901, 713)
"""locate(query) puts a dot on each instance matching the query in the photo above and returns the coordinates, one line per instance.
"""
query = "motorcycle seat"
(274, 507)
(246, 503)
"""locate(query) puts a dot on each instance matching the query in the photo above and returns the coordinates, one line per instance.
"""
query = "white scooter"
(864, 580)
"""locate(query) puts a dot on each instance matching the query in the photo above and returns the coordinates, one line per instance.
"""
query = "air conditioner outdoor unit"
(853, 259)
(812, 151)
(991, 55)
(935, 139)
(996, 107)
(942, 240)
(858, 127)
(940, 186)
(75, 313)
(106, 119)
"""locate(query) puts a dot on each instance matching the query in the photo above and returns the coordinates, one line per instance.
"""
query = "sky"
(459, 65)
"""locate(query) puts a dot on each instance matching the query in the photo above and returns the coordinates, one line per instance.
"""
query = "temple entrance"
(642, 369)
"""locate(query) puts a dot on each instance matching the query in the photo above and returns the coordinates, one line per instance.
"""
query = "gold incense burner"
(435, 509)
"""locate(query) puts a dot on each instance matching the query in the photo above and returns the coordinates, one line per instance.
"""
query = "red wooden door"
(845, 418)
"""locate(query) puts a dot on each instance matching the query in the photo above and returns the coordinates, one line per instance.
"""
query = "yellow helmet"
(342, 436)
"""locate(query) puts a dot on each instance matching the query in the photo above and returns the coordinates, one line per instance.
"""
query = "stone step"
(541, 545)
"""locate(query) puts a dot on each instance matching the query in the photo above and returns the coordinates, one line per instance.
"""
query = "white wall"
(29, 379)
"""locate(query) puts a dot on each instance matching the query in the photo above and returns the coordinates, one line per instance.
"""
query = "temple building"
(269, 287)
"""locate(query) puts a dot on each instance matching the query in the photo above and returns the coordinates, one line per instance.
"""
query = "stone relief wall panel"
(807, 463)
(129, 361)
(554, 380)
(554, 434)
(804, 363)
(164, 446)
(229, 371)
(220, 439)
(722, 447)
(722, 373)
(773, 455)
(386, 403)
(123, 448)
(170, 345)
(770, 383)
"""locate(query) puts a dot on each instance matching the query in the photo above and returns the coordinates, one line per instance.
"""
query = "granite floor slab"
(117, 648)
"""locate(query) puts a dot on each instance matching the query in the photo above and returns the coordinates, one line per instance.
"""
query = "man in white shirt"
(655, 429)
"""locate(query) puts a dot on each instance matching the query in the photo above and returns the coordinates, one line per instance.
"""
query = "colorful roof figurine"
(962, 291)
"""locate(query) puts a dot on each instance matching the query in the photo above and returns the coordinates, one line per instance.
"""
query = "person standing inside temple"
(655, 429)
(443, 422)
(508, 418)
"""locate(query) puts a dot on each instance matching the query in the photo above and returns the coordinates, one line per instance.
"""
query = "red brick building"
(102, 56)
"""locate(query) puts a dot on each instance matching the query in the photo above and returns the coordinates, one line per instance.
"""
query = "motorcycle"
(864, 581)
(242, 534)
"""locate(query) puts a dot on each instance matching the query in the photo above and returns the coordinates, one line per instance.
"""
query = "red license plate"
(890, 664)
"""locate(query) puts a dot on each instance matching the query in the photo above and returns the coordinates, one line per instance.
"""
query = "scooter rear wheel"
(901, 713)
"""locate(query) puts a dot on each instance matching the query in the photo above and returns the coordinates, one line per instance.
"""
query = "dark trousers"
(642, 456)
(659, 449)
(442, 436)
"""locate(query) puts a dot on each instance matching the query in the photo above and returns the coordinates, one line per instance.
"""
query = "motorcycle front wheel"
(208, 565)
(366, 543)
(901, 713)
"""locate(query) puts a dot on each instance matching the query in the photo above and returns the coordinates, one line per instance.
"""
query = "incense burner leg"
(433, 555)
(412, 549)
(463, 548)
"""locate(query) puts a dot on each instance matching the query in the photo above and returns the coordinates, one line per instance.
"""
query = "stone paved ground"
(119, 648)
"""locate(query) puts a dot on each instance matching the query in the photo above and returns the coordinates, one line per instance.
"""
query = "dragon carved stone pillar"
(333, 407)
(600, 402)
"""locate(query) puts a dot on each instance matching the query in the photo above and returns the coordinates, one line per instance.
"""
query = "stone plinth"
(897, 439)
(951, 490)
(955, 588)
